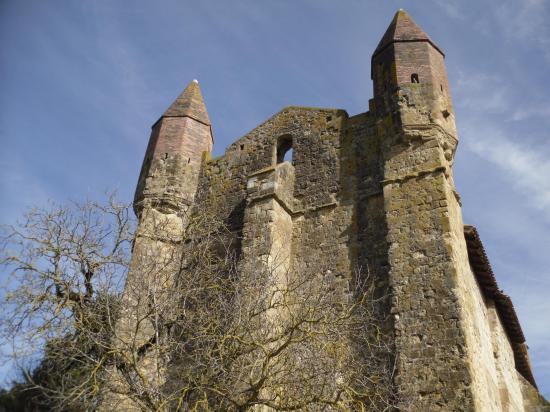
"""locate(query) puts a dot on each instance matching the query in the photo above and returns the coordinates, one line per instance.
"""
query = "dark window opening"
(284, 149)
(441, 87)
(329, 118)
(165, 155)
(414, 78)
(188, 160)
(242, 147)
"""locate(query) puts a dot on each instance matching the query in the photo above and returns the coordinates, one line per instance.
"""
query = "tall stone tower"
(373, 191)
(166, 189)
(457, 338)
(427, 252)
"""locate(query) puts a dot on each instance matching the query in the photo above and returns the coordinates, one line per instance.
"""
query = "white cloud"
(524, 113)
(482, 92)
(451, 8)
(525, 20)
(533, 309)
(527, 170)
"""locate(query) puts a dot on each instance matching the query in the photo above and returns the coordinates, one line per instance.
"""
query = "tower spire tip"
(189, 104)
(403, 29)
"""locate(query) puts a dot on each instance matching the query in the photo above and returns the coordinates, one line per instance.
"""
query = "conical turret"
(169, 175)
(189, 104)
(403, 29)
(409, 76)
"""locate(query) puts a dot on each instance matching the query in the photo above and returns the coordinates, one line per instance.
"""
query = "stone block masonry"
(373, 191)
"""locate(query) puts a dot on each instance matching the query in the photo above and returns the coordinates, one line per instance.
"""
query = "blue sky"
(83, 81)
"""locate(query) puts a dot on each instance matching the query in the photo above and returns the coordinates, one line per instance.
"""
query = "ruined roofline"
(310, 108)
(283, 110)
(503, 304)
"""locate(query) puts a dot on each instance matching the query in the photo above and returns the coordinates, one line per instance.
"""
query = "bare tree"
(65, 268)
(243, 335)
(196, 328)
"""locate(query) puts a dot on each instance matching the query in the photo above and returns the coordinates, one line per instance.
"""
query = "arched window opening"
(414, 78)
(284, 149)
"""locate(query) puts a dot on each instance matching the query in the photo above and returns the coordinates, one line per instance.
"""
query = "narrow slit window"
(284, 149)
(414, 78)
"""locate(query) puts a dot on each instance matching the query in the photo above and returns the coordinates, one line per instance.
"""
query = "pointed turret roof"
(189, 104)
(403, 29)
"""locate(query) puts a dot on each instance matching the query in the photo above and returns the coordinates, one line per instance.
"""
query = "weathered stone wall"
(509, 385)
(333, 162)
(371, 194)
(532, 399)
(315, 135)
(147, 297)
(375, 192)
(474, 319)
(432, 371)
